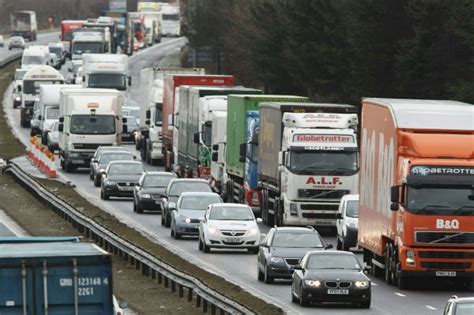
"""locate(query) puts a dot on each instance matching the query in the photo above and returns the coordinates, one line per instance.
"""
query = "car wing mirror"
(259, 220)
(367, 269)
(298, 267)
(328, 246)
(172, 205)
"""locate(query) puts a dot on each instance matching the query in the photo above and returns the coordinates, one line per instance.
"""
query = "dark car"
(100, 165)
(330, 276)
(190, 208)
(119, 179)
(101, 149)
(174, 190)
(459, 306)
(283, 248)
(149, 191)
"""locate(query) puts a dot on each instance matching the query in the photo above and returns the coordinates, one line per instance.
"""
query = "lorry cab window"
(159, 114)
(170, 17)
(441, 199)
(316, 162)
(87, 47)
(207, 135)
(108, 80)
(92, 125)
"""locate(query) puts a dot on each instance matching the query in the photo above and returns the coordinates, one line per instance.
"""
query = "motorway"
(238, 267)
(42, 39)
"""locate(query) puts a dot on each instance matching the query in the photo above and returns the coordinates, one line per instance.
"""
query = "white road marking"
(400, 294)
(373, 283)
(431, 307)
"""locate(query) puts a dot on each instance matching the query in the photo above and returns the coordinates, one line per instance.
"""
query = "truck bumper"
(310, 213)
(79, 159)
(435, 274)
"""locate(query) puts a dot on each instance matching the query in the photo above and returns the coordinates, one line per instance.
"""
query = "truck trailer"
(54, 276)
(307, 160)
(23, 23)
(236, 189)
(416, 189)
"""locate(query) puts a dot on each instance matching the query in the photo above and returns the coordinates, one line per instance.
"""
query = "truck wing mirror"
(395, 194)
(242, 152)
(124, 120)
(40, 117)
(129, 81)
(61, 127)
(196, 138)
(215, 147)
(148, 114)
(281, 158)
(339, 216)
(147, 122)
(214, 156)
(19, 88)
(61, 119)
(69, 69)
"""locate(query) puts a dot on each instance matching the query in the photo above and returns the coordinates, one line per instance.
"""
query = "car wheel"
(267, 278)
(134, 207)
(294, 299)
(339, 244)
(162, 218)
(167, 221)
(139, 209)
(91, 176)
(365, 304)
(200, 244)
(260, 274)
(177, 236)
(97, 181)
(205, 248)
(172, 232)
(253, 250)
(104, 195)
(303, 300)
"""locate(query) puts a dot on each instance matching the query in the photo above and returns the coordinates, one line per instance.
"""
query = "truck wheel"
(230, 191)
(389, 268)
(403, 283)
(68, 167)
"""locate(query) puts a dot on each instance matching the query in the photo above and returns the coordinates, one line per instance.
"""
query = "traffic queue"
(236, 158)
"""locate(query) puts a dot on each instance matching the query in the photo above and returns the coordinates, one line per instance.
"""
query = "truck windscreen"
(92, 125)
(158, 114)
(87, 47)
(32, 86)
(108, 81)
(309, 162)
(170, 17)
(441, 199)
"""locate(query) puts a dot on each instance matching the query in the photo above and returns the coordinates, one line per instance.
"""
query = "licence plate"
(127, 188)
(77, 161)
(446, 273)
(233, 240)
(338, 291)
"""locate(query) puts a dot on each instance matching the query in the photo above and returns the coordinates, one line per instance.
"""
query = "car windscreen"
(180, 187)
(231, 213)
(157, 181)
(125, 169)
(464, 308)
(296, 240)
(330, 261)
(198, 202)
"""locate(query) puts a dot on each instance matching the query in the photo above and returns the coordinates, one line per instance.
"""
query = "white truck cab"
(35, 56)
(218, 141)
(108, 71)
(347, 222)
(88, 42)
(88, 118)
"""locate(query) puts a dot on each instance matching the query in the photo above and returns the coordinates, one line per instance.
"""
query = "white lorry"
(18, 86)
(48, 107)
(32, 81)
(170, 20)
(93, 42)
(109, 71)
(307, 161)
(151, 110)
(88, 118)
(151, 21)
(218, 140)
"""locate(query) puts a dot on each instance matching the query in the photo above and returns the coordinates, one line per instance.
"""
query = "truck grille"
(89, 146)
(445, 265)
(314, 206)
(310, 215)
(324, 193)
(446, 255)
(451, 237)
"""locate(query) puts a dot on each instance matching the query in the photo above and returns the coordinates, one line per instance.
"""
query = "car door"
(264, 250)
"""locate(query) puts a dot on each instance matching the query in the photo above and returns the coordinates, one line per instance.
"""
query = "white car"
(52, 137)
(229, 225)
(16, 42)
(347, 222)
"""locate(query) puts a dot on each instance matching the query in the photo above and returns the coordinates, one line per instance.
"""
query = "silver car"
(16, 42)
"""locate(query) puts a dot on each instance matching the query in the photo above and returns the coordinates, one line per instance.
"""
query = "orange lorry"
(417, 189)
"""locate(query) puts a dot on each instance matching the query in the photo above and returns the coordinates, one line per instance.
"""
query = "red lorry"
(416, 189)
(67, 29)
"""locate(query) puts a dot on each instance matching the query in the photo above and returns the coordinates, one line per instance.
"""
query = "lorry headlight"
(362, 284)
(313, 283)
(293, 209)
(410, 260)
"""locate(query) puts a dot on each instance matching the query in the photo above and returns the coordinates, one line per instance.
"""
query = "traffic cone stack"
(42, 158)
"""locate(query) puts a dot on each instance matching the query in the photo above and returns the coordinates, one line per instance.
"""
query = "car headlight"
(146, 196)
(17, 98)
(362, 284)
(184, 219)
(254, 231)
(313, 283)
(214, 231)
(109, 183)
(277, 260)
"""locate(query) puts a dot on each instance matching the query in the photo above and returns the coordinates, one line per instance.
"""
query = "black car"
(119, 179)
(330, 276)
(174, 190)
(283, 248)
(100, 150)
(149, 191)
(100, 165)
